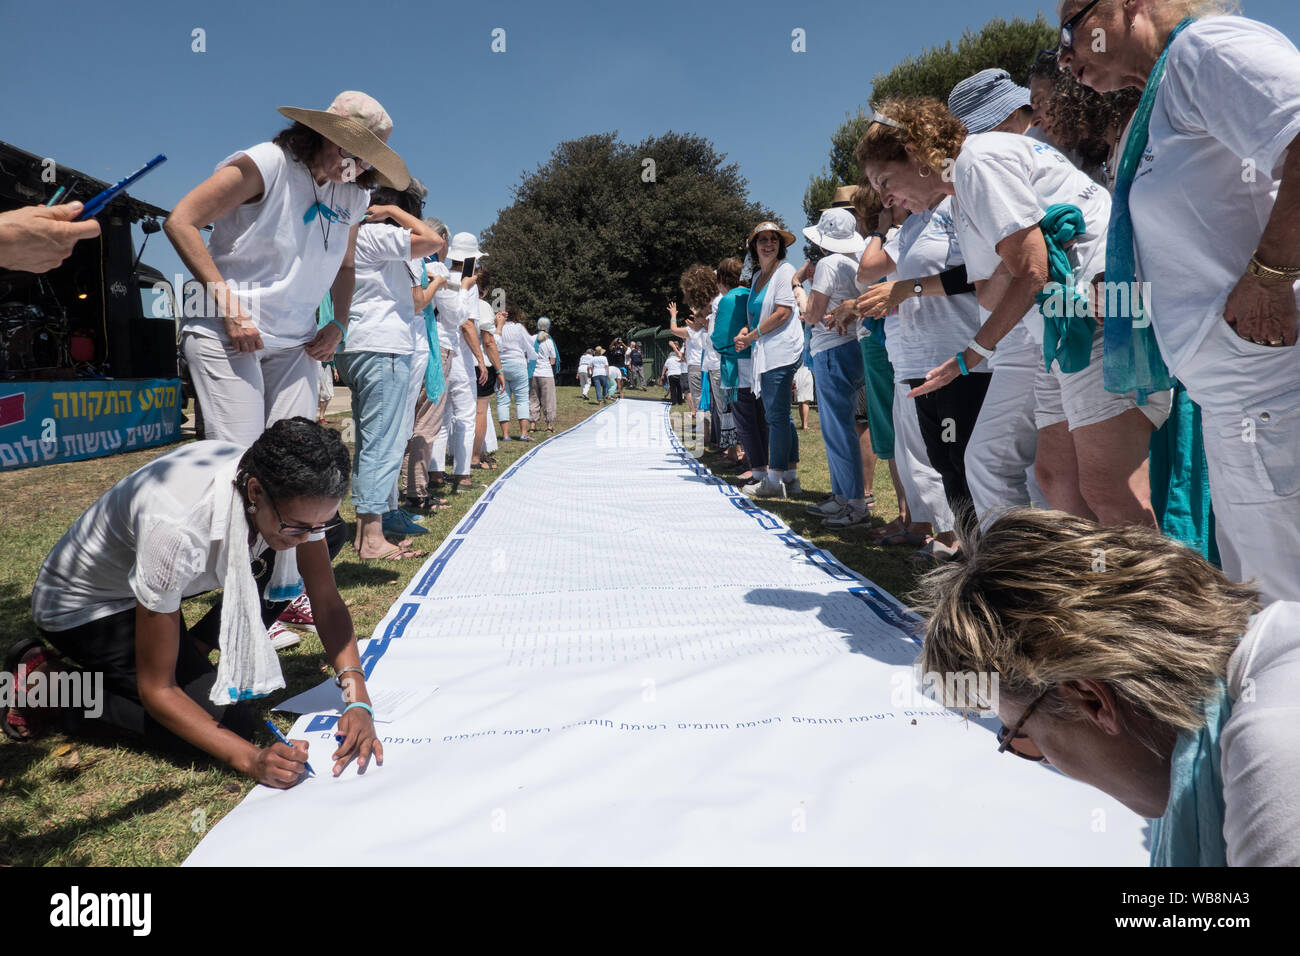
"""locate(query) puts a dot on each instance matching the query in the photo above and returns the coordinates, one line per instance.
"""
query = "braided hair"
(296, 458)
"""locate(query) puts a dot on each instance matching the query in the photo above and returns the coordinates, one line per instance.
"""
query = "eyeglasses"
(1067, 28)
(297, 530)
(1005, 737)
(365, 165)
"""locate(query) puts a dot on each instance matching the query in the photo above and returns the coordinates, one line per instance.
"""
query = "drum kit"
(33, 339)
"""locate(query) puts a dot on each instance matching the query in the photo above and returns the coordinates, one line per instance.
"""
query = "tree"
(934, 72)
(598, 236)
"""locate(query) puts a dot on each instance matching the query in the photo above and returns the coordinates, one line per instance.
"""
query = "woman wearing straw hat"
(1205, 213)
(285, 217)
(774, 340)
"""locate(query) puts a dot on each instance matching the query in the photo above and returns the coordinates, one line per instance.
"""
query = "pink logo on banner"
(13, 409)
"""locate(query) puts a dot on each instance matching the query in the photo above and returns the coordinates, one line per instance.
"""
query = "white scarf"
(248, 666)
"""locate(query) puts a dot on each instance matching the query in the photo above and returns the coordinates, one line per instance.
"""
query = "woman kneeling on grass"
(1127, 661)
(209, 515)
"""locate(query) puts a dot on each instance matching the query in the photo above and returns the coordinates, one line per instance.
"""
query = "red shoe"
(298, 613)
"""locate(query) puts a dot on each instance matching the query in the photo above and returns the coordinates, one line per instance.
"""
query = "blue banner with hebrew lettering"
(46, 422)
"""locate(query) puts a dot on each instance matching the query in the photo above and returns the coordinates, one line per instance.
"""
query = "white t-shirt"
(1260, 743)
(1227, 110)
(615, 373)
(711, 360)
(599, 365)
(545, 352)
(155, 537)
(928, 331)
(695, 346)
(516, 344)
(382, 309)
(783, 345)
(672, 365)
(275, 263)
(452, 306)
(585, 362)
(1005, 182)
(836, 277)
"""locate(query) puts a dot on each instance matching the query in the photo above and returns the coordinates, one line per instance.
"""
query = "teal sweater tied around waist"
(1068, 328)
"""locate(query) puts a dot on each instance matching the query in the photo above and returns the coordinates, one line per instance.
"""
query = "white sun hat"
(836, 231)
(464, 245)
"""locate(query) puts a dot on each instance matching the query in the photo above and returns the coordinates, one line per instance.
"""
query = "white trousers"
(1250, 419)
(462, 407)
(1000, 454)
(419, 363)
(244, 393)
(584, 379)
(926, 499)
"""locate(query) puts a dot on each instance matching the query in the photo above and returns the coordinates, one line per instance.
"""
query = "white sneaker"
(849, 516)
(770, 489)
(282, 637)
(828, 508)
(793, 488)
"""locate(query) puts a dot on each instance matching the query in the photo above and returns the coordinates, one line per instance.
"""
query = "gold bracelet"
(1258, 269)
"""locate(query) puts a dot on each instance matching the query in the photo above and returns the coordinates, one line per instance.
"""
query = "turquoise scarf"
(1132, 359)
(434, 382)
(1191, 831)
(1180, 478)
(1067, 327)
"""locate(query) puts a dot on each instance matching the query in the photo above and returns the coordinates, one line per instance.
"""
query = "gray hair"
(1174, 11)
(438, 226)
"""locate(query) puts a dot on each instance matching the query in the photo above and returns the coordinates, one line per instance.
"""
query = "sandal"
(399, 553)
(933, 551)
(30, 655)
(891, 530)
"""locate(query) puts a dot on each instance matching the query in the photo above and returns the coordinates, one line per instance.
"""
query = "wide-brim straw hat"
(357, 123)
(786, 237)
(843, 197)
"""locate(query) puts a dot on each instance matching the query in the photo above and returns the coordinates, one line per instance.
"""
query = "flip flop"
(16, 726)
(398, 553)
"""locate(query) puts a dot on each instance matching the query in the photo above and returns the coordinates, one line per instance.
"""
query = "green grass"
(96, 801)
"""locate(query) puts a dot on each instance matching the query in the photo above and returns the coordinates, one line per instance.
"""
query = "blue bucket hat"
(986, 99)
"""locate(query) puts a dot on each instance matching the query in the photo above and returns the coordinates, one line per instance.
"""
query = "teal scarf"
(1067, 327)
(434, 382)
(1180, 478)
(1191, 831)
(1132, 359)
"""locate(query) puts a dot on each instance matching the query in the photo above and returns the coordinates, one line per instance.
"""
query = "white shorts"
(803, 385)
(1080, 398)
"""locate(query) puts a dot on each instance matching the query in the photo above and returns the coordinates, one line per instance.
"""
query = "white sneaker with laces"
(770, 489)
(793, 487)
(282, 637)
(849, 516)
(828, 508)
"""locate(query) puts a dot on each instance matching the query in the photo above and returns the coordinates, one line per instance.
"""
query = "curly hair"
(304, 144)
(1082, 120)
(928, 126)
(1044, 597)
(699, 285)
(867, 208)
(296, 458)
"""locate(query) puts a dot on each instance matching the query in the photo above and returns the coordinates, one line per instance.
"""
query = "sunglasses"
(884, 120)
(1068, 28)
(298, 530)
(1007, 738)
(361, 163)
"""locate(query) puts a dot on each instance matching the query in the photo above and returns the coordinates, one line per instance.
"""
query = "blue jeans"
(782, 439)
(602, 387)
(380, 383)
(839, 373)
(516, 374)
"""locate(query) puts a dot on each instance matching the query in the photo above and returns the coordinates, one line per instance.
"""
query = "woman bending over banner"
(209, 515)
(1126, 660)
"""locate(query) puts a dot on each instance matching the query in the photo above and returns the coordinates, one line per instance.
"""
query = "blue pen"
(96, 204)
(285, 740)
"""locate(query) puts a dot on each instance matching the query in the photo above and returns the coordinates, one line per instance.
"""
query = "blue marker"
(285, 740)
(95, 205)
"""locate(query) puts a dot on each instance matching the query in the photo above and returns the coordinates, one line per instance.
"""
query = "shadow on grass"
(37, 848)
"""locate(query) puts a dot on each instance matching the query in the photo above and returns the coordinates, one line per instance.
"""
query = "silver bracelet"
(338, 678)
(980, 350)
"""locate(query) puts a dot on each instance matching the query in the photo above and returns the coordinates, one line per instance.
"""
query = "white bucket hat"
(464, 245)
(836, 231)
(357, 123)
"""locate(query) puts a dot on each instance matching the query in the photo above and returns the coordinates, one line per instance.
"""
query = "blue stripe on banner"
(477, 513)
(439, 563)
(909, 625)
(322, 722)
(374, 650)
(398, 624)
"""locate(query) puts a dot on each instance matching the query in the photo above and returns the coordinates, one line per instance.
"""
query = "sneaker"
(298, 612)
(833, 505)
(770, 489)
(506, 438)
(402, 524)
(282, 637)
(849, 515)
(793, 488)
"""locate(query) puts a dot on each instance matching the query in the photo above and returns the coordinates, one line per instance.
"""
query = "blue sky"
(103, 87)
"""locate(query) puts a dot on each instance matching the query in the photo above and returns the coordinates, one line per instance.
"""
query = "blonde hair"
(928, 126)
(1044, 597)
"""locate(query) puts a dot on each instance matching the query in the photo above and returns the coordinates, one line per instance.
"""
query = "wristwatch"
(916, 287)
